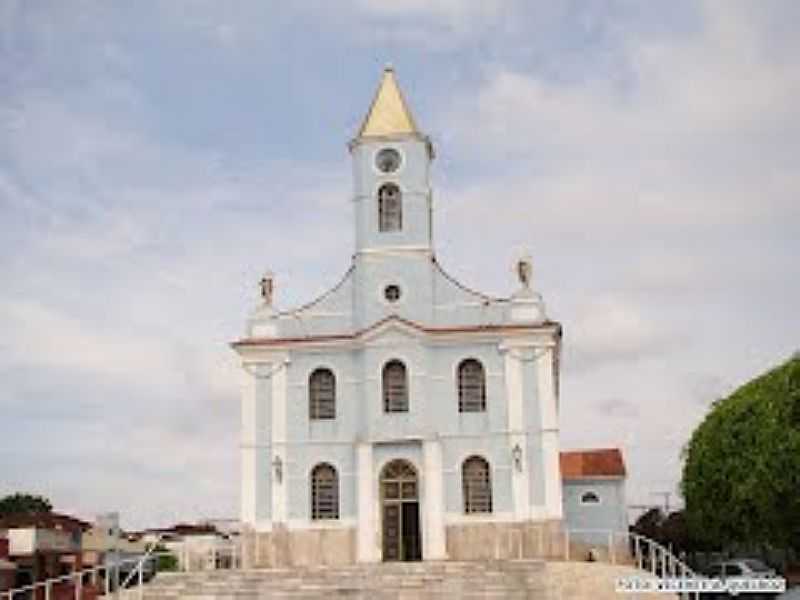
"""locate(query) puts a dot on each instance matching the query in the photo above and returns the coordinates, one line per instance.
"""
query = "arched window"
(390, 208)
(590, 497)
(477, 485)
(395, 387)
(324, 492)
(471, 386)
(322, 394)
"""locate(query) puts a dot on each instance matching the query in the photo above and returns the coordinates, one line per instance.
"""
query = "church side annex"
(402, 415)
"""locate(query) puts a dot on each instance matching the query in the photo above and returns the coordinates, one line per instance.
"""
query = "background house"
(43, 545)
(99, 540)
(8, 569)
(594, 494)
(195, 546)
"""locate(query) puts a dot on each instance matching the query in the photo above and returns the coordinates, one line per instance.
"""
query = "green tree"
(649, 524)
(741, 473)
(19, 503)
(675, 533)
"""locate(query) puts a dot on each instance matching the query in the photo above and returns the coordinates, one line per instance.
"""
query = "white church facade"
(402, 415)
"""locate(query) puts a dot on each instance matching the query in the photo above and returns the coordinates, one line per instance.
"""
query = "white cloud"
(36, 335)
(452, 11)
(614, 329)
(718, 81)
(433, 26)
(699, 135)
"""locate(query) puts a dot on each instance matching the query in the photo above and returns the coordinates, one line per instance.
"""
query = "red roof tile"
(582, 464)
(186, 529)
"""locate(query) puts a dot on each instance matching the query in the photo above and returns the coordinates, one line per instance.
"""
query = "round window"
(388, 160)
(392, 293)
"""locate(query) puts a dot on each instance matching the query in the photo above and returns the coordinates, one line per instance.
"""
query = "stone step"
(425, 581)
(385, 581)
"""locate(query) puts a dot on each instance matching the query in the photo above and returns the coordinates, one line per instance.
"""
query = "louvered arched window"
(471, 386)
(476, 483)
(390, 208)
(322, 394)
(395, 387)
(324, 492)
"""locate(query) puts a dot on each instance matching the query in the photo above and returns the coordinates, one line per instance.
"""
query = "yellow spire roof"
(389, 114)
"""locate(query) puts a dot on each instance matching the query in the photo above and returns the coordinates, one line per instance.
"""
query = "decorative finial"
(525, 271)
(267, 285)
(388, 66)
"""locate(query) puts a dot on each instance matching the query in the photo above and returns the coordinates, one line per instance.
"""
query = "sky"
(157, 157)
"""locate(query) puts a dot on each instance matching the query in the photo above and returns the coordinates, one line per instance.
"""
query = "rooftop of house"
(184, 529)
(589, 464)
(44, 520)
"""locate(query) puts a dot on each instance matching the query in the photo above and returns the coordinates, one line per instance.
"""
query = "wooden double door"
(402, 535)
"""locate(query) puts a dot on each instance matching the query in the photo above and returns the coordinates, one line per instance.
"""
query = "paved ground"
(793, 594)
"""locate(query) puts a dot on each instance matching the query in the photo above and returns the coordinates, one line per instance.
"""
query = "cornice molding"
(507, 335)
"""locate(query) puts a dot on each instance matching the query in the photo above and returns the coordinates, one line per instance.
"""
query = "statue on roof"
(267, 285)
(525, 271)
(527, 304)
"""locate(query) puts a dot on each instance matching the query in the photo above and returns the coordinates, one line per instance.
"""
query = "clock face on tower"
(388, 160)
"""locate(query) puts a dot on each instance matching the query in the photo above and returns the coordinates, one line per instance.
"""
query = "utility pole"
(666, 496)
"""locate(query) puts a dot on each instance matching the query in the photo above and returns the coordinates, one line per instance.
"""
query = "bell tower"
(391, 161)
(393, 211)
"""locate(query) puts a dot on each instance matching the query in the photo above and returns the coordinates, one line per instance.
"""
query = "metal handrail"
(671, 565)
(140, 567)
(76, 575)
(638, 538)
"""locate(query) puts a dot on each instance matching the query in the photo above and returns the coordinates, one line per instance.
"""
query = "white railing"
(111, 571)
(625, 546)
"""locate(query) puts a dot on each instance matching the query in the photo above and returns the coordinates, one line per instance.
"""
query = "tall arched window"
(476, 483)
(390, 208)
(395, 387)
(471, 386)
(324, 492)
(322, 394)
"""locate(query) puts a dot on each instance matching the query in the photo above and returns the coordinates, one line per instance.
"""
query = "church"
(403, 415)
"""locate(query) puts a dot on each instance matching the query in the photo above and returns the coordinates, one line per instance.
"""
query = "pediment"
(392, 330)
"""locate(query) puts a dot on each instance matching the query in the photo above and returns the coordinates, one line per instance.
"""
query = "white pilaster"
(550, 435)
(279, 488)
(367, 548)
(433, 543)
(248, 448)
(516, 426)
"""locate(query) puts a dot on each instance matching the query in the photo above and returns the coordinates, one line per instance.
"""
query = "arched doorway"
(402, 539)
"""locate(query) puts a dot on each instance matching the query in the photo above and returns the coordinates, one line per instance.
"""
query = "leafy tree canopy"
(649, 524)
(741, 475)
(23, 504)
(670, 530)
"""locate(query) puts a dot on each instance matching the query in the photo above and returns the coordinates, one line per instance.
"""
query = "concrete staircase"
(524, 579)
